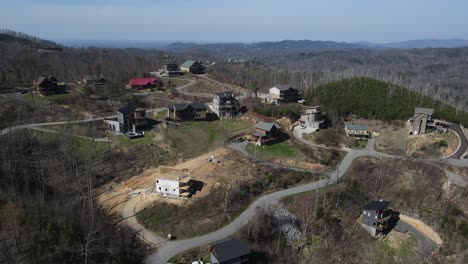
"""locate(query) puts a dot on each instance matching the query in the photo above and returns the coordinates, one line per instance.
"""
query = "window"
(373, 223)
(166, 190)
(174, 190)
(159, 188)
(157, 181)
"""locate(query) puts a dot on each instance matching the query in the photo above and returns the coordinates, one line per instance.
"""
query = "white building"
(312, 118)
(225, 105)
(175, 183)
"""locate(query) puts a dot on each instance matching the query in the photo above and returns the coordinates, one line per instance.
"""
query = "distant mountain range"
(260, 49)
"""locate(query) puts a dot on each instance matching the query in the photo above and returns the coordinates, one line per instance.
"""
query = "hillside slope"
(370, 98)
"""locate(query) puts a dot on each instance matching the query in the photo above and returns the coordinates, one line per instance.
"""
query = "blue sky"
(237, 20)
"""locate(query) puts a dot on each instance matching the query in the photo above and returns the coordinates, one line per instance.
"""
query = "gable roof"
(188, 63)
(266, 126)
(91, 77)
(230, 249)
(127, 109)
(225, 95)
(41, 79)
(195, 106)
(357, 127)
(422, 110)
(283, 87)
(144, 81)
(376, 205)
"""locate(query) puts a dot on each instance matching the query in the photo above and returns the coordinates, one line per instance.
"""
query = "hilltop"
(371, 98)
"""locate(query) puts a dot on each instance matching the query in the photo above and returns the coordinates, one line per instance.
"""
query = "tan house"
(195, 67)
(358, 131)
(187, 112)
(283, 94)
(421, 120)
(266, 132)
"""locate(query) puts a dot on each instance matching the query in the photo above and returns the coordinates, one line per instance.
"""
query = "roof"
(421, 110)
(283, 87)
(91, 77)
(43, 78)
(376, 205)
(266, 126)
(357, 127)
(174, 175)
(230, 249)
(127, 109)
(188, 63)
(144, 81)
(196, 106)
(224, 95)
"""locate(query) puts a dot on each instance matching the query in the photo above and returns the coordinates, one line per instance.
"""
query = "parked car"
(241, 139)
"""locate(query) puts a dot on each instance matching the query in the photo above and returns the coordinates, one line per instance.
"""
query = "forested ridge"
(370, 98)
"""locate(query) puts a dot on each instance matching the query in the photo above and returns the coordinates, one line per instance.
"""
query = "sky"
(377, 21)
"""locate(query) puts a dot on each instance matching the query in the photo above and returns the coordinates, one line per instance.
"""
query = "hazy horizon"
(244, 21)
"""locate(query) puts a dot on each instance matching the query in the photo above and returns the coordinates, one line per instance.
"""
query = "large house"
(234, 251)
(174, 183)
(375, 217)
(195, 67)
(48, 85)
(421, 120)
(266, 132)
(92, 79)
(187, 112)
(170, 70)
(312, 118)
(143, 83)
(283, 94)
(132, 119)
(225, 105)
(357, 131)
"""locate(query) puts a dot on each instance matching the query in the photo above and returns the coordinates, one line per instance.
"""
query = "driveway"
(463, 141)
(426, 245)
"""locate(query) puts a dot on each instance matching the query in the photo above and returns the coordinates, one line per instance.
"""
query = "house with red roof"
(143, 83)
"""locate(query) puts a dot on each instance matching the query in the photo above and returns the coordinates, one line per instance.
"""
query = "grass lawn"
(160, 115)
(360, 144)
(51, 98)
(124, 141)
(195, 138)
(279, 150)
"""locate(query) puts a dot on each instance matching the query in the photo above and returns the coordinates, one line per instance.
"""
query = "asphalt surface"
(426, 245)
(463, 141)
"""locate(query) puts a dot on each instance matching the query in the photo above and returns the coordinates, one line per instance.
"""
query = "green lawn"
(195, 138)
(160, 115)
(51, 98)
(360, 143)
(124, 141)
(278, 150)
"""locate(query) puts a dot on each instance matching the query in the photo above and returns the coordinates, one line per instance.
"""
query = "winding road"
(171, 248)
(167, 249)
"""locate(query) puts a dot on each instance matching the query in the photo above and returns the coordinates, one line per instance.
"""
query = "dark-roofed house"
(357, 131)
(187, 112)
(266, 132)
(143, 83)
(421, 120)
(48, 85)
(225, 105)
(195, 67)
(283, 94)
(234, 251)
(92, 79)
(170, 70)
(375, 217)
(132, 119)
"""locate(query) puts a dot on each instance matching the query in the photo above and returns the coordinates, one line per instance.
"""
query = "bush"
(442, 144)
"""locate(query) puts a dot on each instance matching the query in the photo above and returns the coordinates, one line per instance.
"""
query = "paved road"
(426, 246)
(171, 248)
(463, 141)
(31, 126)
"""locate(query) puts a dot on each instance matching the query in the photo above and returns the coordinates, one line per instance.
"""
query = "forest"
(374, 99)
